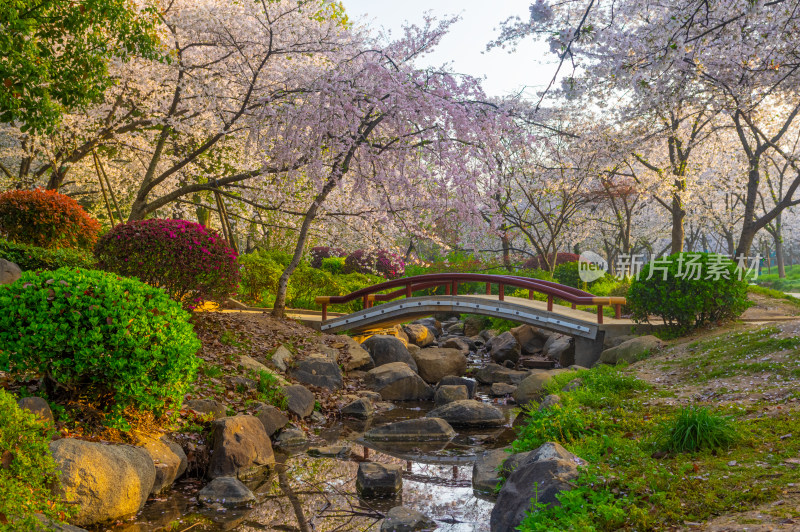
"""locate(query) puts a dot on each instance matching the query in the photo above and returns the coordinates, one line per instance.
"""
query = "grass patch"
(612, 422)
(775, 294)
(270, 391)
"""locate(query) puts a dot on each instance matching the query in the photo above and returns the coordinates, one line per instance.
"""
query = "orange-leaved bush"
(191, 262)
(46, 219)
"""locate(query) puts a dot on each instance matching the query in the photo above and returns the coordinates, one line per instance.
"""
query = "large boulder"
(504, 348)
(38, 407)
(543, 474)
(299, 399)
(492, 373)
(413, 430)
(449, 393)
(228, 492)
(486, 470)
(375, 480)
(501, 389)
(291, 439)
(419, 334)
(169, 459)
(436, 363)
(272, 419)
(469, 413)
(398, 382)
(318, 370)
(473, 325)
(531, 339)
(282, 358)
(434, 325)
(9, 272)
(240, 447)
(206, 407)
(561, 348)
(471, 384)
(631, 350)
(104, 482)
(385, 349)
(532, 387)
(353, 356)
(402, 519)
(251, 364)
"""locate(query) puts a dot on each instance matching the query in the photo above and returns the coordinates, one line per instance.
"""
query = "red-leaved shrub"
(46, 219)
(381, 262)
(324, 252)
(192, 263)
(538, 262)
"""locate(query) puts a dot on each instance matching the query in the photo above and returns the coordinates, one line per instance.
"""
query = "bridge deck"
(561, 319)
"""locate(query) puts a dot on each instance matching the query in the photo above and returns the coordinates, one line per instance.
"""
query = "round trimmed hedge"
(46, 219)
(191, 262)
(683, 301)
(112, 340)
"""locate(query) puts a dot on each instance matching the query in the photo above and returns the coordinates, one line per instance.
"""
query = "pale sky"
(531, 66)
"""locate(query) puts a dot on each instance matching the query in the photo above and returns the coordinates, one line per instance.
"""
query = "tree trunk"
(779, 248)
(678, 217)
(506, 250)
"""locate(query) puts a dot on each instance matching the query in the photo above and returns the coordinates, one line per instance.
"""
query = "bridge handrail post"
(455, 288)
(408, 290)
(501, 291)
(324, 311)
(617, 311)
(550, 303)
(447, 289)
(600, 314)
(488, 289)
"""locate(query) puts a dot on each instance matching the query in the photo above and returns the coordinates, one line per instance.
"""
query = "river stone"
(549, 402)
(504, 348)
(572, 385)
(469, 413)
(614, 341)
(473, 326)
(272, 418)
(9, 272)
(532, 387)
(318, 371)
(291, 438)
(436, 363)
(206, 407)
(282, 358)
(240, 447)
(38, 407)
(542, 473)
(449, 393)
(492, 373)
(398, 382)
(169, 459)
(488, 334)
(299, 399)
(477, 341)
(420, 429)
(251, 364)
(456, 328)
(631, 351)
(376, 480)
(51, 526)
(340, 450)
(402, 519)
(485, 470)
(360, 408)
(354, 357)
(471, 384)
(560, 348)
(433, 324)
(456, 343)
(226, 491)
(104, 482)
(500, 389)
(385, 349)
(419, 334)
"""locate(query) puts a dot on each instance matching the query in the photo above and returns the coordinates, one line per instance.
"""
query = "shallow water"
(304, 493)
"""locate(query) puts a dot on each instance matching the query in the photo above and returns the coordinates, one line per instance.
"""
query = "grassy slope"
(613, 421)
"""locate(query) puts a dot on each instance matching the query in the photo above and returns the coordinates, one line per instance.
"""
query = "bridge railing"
(406, 287)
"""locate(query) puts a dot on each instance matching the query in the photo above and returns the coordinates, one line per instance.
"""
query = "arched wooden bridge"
(397, 304)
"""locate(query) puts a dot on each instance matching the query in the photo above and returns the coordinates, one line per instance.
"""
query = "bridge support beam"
(587, 352)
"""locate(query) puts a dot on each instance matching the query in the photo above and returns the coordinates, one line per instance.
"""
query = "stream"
(317, 493)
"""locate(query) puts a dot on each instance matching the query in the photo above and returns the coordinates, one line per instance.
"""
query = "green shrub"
(334, 265)
(112, 340)
(36, 258)
(259, 272)
(270, 390)
(694, 429)
(562, 423)
(683, 302)
(28, 473)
